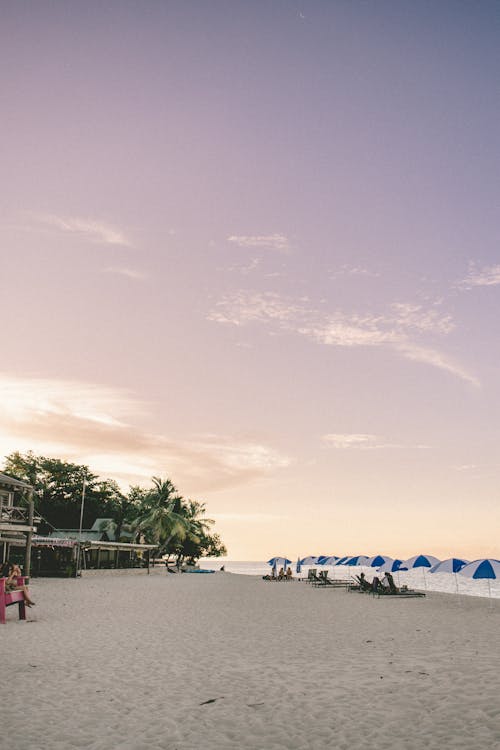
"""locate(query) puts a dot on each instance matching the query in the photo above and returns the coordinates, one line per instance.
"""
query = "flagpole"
(80, 530)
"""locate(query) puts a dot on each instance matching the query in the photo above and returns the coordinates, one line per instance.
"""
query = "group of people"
(383, 585)
(282, 575)
(11, 572)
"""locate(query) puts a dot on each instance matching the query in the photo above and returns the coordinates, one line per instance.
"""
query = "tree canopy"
(157, 515)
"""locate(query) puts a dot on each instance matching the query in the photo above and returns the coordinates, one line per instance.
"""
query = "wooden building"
(17, 521)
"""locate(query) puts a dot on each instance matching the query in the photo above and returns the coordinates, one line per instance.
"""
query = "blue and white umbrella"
(392, 566)
(451, 565)
(298, 566)
(377, 561)
(342, 560)
(421, 561)
(331, 560)
(320, 560)
(356, 560)
(487, 568)
(281, 561)
(310, 560)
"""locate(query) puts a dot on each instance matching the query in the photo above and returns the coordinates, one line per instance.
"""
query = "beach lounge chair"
(324, 582)
(312, 575)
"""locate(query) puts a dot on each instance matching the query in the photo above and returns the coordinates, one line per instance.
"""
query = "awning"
(119, 546)
(52, 541)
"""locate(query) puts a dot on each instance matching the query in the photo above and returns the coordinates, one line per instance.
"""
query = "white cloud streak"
(262, 241)
(486, 276)
(394, 329)
(349, 440)
(90, 229)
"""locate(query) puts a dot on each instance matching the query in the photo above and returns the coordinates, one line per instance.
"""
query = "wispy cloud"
(350, 440)
(101, 427)
(129, 273)
(264, 241)
(485, 276)
(91, 229)
(396, 328)
(347, 270)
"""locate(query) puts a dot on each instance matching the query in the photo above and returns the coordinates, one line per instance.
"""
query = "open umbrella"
(310, 560)
(342, 560)
(451, 565)
(356, 560)
(377, 561)
(331, 560)
(421, 561)
(487, 568)
(298, 566)
(282, 561)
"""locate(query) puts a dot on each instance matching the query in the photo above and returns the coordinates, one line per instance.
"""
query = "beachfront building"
(17, 521)
(102, 546)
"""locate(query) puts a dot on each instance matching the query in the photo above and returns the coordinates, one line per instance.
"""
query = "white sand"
(126, 662)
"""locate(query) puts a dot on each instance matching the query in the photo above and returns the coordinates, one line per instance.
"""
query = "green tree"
(58, 487)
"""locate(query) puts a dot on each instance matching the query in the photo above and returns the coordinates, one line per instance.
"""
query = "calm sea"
(419, 578)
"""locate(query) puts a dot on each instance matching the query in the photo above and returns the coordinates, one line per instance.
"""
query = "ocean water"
(419, 578)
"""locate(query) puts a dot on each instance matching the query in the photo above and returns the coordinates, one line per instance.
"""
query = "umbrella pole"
(425, 582)
(489, 593)
(458, 592)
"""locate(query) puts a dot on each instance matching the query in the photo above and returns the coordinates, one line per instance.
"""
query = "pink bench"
(12, 597)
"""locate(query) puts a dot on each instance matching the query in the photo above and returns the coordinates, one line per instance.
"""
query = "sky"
(254, 247)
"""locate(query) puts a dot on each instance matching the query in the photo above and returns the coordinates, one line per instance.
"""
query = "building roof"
(14, 483)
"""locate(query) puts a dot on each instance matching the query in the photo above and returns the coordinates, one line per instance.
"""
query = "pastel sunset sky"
(254, 247)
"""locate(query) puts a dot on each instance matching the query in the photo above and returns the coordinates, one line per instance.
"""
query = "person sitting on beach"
(281, 574)
(11, 573)
(289, 574)
(364, 585)
(388, 582)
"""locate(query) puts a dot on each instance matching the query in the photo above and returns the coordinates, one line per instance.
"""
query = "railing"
(14, 514)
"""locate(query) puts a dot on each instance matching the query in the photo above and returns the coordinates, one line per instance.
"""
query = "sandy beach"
(193, 662)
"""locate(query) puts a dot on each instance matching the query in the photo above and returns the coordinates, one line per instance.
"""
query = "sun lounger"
(322, 581)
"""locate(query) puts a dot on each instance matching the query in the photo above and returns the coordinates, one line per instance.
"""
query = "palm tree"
(160, 516)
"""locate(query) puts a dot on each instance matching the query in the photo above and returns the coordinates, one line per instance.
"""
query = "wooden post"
(27, 554)
(147, 559)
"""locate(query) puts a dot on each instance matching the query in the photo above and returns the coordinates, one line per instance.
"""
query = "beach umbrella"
(320, 560)
(451, 565)
(281, 561)
(421, 561)
(298, 567)
(332, 560)
(342, 560)
(487, 568)
(377, 561)
(392, 566)
(356, 560)
(310, 560)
